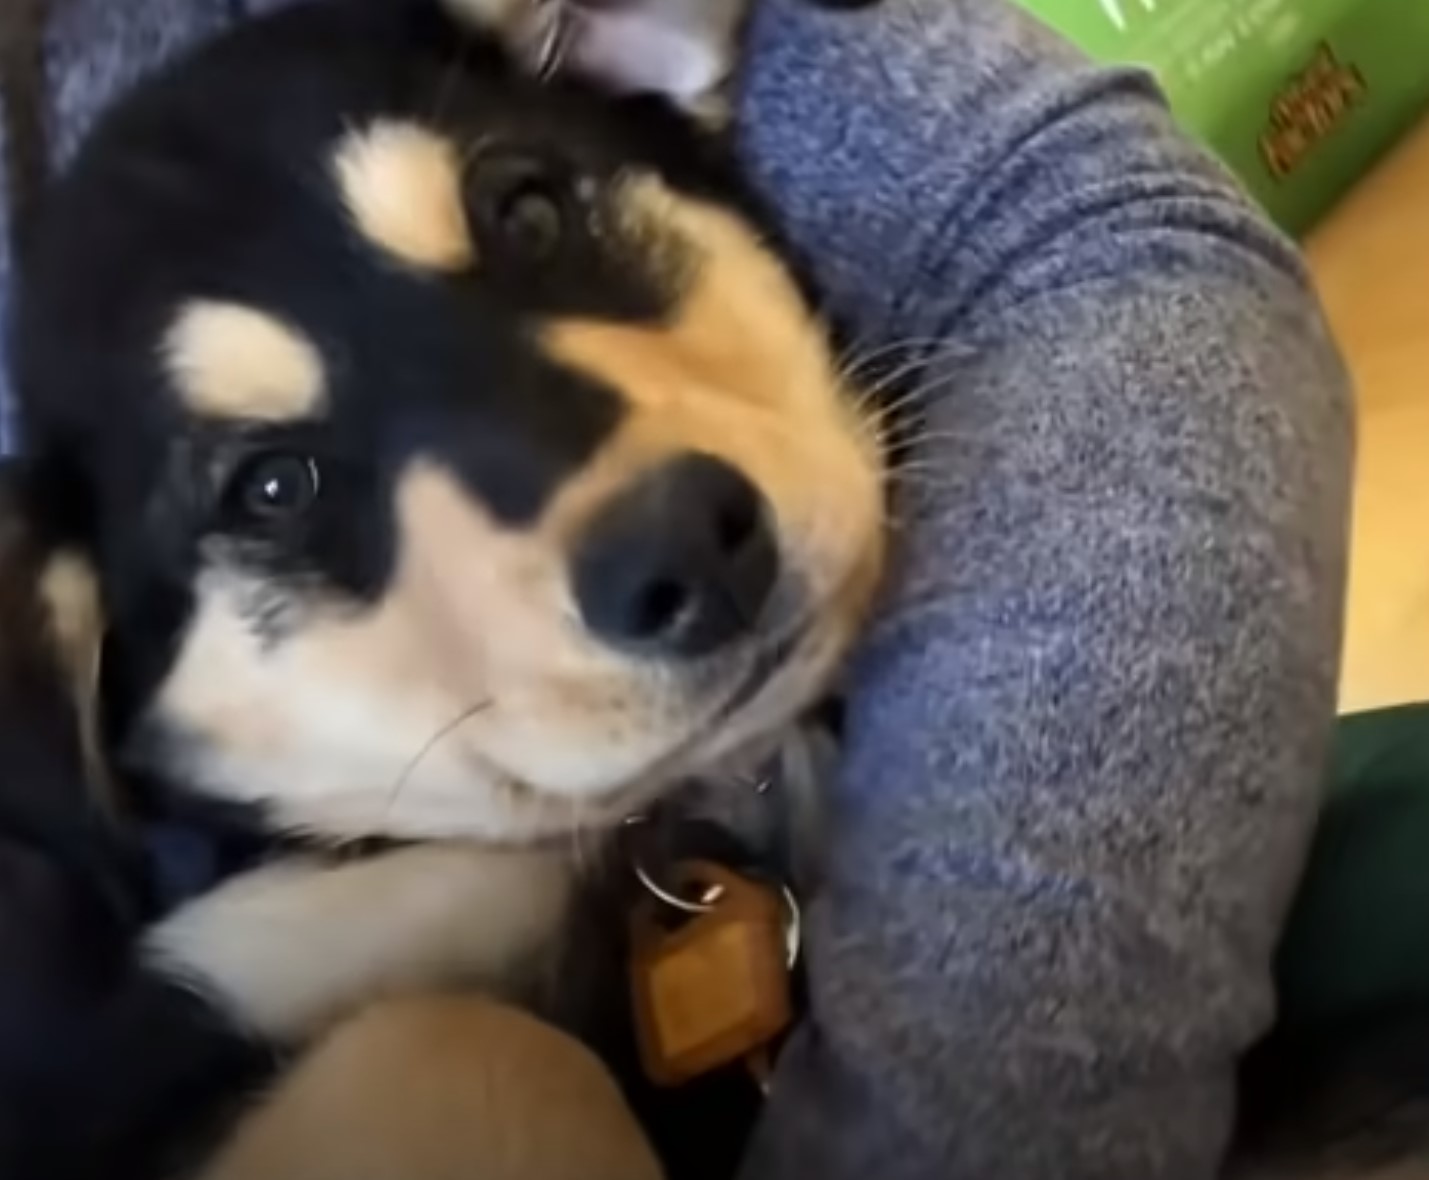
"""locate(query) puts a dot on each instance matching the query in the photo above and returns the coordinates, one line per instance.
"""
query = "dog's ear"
(683, 50)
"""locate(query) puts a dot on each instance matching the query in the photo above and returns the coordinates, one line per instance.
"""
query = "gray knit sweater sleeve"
(1088, 729)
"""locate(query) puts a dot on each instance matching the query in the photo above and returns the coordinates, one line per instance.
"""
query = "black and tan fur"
(456, 464)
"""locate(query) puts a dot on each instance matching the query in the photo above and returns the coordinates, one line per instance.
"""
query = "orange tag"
(715, 989)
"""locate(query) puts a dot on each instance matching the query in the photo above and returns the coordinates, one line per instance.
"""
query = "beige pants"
(441, 1088)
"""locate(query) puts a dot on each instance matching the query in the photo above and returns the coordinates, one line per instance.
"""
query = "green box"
(1299, 97)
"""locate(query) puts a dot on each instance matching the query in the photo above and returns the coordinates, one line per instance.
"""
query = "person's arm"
(1087, 730)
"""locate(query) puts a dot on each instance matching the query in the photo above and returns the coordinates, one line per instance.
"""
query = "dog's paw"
(290, 948)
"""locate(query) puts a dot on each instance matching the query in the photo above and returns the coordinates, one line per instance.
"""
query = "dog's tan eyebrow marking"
(228, 360)
(401, 185)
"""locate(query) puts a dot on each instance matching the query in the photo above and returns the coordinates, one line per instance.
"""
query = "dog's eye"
(519, 202)
(276, 486)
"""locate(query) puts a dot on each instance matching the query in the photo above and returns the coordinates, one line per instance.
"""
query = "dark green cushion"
(1358, 939)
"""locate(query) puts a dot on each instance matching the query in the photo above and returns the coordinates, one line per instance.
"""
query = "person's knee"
(441, 1088)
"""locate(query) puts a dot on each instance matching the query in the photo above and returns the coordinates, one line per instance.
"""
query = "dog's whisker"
(905, 399)
(891, 434)
(932, 352)
(890, 410)
(890, 419)
(918, 392)
(873, 392)
(906, 352)
(856, 358)
(895, 430)
(431, 743)
(917, 439)
(920, 465)
(916, 467)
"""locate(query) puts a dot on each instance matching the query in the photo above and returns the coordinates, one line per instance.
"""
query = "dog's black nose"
(679, 564)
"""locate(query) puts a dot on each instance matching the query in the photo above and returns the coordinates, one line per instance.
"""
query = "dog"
(429, 452)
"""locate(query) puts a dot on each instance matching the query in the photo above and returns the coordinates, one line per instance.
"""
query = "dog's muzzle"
(680, 564)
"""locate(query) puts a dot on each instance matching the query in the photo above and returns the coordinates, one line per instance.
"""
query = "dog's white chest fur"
(290, 948)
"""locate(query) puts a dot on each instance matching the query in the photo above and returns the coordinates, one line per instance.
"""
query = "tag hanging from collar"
(711, 973)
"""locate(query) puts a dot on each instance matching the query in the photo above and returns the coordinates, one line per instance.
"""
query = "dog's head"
(457, 456)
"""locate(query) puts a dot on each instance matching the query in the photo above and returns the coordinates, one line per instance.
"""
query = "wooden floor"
(1372, 262)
